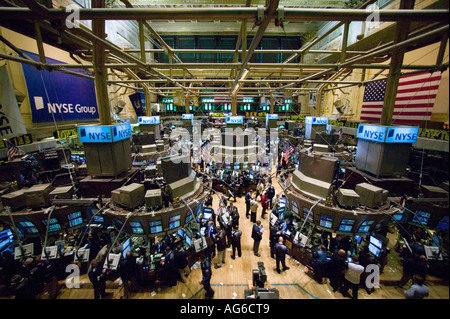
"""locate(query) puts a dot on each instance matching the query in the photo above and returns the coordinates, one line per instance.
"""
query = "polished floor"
(230, 281)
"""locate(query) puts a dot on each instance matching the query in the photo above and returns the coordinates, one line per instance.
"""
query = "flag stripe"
(414, 101)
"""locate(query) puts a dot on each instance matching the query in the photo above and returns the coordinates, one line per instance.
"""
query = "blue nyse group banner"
(70, 97)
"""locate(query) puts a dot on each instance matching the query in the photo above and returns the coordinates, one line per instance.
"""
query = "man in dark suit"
(97, 275)
(280, 252)
(206, 276)
(257, 232)
(236, 235)
(127, 271)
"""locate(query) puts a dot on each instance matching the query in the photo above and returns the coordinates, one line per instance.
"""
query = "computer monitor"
(443, 223)
(358, 239)
(126, 246)
(282, 202)
(188, 241)
(374, 250)
(6, 238)
(207, 216)
(245, 165)
(227, 166)
(346, 225)
(251, 175)
(155, 227)
(397, 217)
(75, 219)
(237, 165)
(189, 217)
(421, 217)
(174, 222)
(180, 233)
(375, 246)
(99, 219)
(326, 221)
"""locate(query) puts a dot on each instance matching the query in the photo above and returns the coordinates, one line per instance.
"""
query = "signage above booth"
(386, 134)
(149, 120)
(187, 116)
(316, 120)
(234, 120)
(104, 133)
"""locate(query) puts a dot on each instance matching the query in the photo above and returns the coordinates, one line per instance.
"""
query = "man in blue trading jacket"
(280, 253)
(206, 273)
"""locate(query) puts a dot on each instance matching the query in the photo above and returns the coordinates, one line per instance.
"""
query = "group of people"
(348, 268)
(28, 278)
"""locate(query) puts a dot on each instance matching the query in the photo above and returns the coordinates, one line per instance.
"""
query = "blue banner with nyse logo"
(59, 96)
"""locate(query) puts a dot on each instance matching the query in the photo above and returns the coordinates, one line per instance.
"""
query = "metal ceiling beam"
(268, 15)
(221, 13)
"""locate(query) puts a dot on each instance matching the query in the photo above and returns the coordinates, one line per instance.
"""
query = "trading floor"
(230, 281)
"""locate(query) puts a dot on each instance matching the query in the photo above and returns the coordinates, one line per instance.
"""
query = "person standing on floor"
(257, 233)
(97, 276)
(253, 210)
(337, 268)
(259, 189)
(236, 242)
(264, 204)
(280, 252)
(248, 198)
(205, 265)
(181, 263)
(352, 277)
(127, 271)
(221, 241)
(270, 194)
(319, 262)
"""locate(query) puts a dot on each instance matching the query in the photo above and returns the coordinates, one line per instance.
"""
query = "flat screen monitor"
(6, 238)
(188, 241)
(126, 246)
(174, 222)
(374, 250)
(375, 245)
(251, 176)
(155, 227)
(326, 221)
(237, 165)
(358, 239)
(207, 215)
(421, 217)
(75, 219)
(54, 225)
(136, 227)
(397, 217)
(245, 165)
(189, 217)
(180, 233)
(282, 202)
(99, 219)
(346, 225)
(443, 223)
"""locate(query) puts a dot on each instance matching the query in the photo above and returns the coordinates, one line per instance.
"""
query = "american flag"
(12, 150)
(414, 101)
(205, 150)
(289, 150)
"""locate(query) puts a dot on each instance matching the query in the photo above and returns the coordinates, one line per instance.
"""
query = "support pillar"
(401, 33)
(100, 71)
